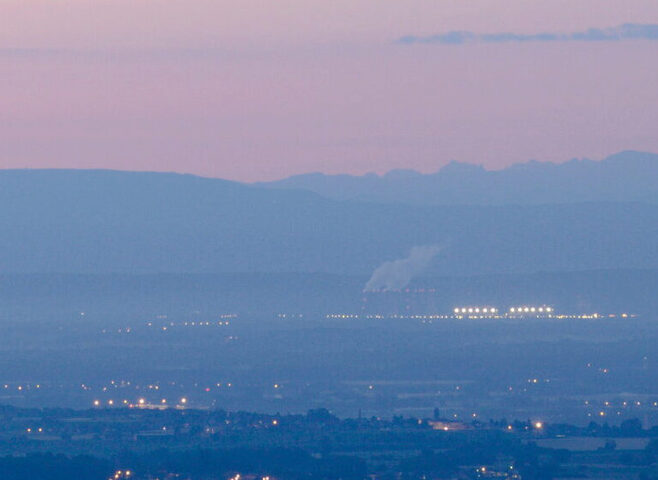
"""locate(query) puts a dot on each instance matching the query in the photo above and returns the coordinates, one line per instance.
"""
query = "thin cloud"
(614, 34)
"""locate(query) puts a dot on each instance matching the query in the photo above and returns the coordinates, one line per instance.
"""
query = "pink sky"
(255, 90)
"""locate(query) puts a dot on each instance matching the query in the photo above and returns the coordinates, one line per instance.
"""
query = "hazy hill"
(626, 176)
(108, 221)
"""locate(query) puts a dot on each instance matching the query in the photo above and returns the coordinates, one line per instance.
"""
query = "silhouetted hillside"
(108, 221)
(626, 176)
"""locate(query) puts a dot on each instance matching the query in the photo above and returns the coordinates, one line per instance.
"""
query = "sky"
(258, 90)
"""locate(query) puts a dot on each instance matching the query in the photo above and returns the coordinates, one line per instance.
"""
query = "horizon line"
(316, 172)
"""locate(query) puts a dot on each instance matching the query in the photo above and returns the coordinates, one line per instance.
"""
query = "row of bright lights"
(140, 402)
(476, 310)
(494, 310)
(530, 309)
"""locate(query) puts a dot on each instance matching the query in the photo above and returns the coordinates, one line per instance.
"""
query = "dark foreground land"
(178, 443)
(148, 367)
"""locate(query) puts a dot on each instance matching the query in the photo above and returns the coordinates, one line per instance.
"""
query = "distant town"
(147, 444)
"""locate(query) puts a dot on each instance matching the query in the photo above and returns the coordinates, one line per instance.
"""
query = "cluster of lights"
(530, 310)
(475, 310)
(122, 474)
(237, 476)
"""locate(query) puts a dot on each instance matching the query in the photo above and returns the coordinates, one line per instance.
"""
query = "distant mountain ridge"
(625, 176)
(87, 221)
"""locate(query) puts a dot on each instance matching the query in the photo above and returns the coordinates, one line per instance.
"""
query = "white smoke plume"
(396, 274)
